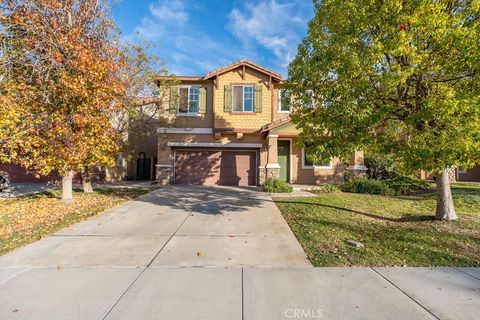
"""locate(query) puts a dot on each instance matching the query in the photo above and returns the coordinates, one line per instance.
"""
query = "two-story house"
(231, 128)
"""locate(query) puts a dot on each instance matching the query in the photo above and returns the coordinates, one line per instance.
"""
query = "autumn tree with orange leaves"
(60, 76)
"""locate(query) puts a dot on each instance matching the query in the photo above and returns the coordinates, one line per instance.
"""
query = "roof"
(224, 69)
(275, 124)
(243, 62)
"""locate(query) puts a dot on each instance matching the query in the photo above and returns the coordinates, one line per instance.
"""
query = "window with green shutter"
(173, 99)
(227, 98)
(258, 98)
(188, 101)
(202, 100)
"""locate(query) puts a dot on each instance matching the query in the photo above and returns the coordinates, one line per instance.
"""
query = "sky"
(195, 37)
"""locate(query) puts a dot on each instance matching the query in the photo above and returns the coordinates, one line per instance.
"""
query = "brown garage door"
(215, 167)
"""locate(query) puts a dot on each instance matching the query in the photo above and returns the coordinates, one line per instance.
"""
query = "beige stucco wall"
(242, 120)
(300, 175)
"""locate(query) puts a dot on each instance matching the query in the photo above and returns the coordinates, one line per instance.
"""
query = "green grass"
(396, 231)
(29, 218)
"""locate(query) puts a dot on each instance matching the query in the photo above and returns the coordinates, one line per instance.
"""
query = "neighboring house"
(229, 127)
(457, 175)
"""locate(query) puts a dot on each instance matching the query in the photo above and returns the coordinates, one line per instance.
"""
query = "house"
(457, 174)
(229, 127)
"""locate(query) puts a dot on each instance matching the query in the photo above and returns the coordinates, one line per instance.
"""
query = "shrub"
(380, 168)
(276, 186)
(363, 185)
(404, 184)
(327, 188)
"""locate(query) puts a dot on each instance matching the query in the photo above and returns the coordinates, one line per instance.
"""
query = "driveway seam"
(123, 293)
(468, 274)
(170, 238)
(148, 265)
(405, 293)
(243, 296)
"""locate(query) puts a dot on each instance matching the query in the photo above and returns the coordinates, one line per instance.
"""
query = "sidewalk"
(239, 293)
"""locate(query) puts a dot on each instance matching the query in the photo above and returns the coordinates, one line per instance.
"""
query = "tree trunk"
(67, 187)
(445, 208)
(87, 182)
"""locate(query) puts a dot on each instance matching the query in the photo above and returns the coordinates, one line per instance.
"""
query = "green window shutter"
(258, 98)
(202, 100)
(228, 98)
(173, 99)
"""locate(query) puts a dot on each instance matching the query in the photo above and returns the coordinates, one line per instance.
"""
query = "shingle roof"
(240, 63)
(275, 124)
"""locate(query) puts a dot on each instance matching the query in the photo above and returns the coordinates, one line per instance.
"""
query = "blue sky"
(195, 37)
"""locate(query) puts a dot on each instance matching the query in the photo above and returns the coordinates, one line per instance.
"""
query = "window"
(283, 101)
(307, 164)
(243, 98)
(308, 103)
(188, 100)
(462, 170)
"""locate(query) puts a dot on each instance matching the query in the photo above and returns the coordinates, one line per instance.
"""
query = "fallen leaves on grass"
(29, 218)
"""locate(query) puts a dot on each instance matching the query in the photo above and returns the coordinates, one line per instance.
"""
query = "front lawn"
(27, 219)
(395, 231)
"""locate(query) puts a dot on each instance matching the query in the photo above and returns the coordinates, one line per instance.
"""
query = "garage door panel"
(196, 167)
(215, 167)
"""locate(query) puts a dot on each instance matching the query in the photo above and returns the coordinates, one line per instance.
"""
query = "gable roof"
(275, 124)
(241, 63)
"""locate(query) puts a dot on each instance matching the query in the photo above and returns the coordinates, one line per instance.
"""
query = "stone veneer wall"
(163, 174)
(270, 173)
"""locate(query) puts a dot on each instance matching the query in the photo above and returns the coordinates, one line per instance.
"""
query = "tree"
(144, 100)
(393, 77)
(146, 103)
(60, 74)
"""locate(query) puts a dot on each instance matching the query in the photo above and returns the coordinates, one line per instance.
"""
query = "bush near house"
(276, 186)
(380, 168)
(406, 185)
(327, 188)
(366, 186)
(397, 186)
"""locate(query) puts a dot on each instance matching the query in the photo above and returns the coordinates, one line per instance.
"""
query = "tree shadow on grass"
(405, 218)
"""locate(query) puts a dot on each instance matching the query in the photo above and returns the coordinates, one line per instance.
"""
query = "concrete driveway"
(212, 253)
(174, 226)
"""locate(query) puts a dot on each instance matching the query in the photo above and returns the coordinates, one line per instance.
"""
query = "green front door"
(284, 159)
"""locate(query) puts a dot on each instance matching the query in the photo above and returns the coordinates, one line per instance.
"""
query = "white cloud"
(275, 26)
(169, 11)
(194, 47)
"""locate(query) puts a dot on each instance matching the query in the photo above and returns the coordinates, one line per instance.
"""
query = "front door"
(284, 159)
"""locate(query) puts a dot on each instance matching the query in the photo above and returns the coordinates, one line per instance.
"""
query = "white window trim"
(304, 166)
(188, 114)
(280, 103)
(312, 103)
(243, 97)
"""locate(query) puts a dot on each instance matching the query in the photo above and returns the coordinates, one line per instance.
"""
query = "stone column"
(272, 168)
(164, 168)
(163, 174)
(357, 166)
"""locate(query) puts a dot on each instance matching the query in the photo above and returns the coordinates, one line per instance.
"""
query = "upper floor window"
(308, 103)
(243, 98)
(284, 101)
(188, 99)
